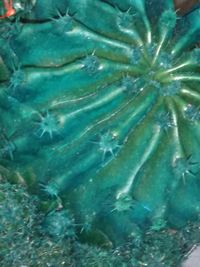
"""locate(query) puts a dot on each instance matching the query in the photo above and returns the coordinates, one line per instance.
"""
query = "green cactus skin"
(100, 112)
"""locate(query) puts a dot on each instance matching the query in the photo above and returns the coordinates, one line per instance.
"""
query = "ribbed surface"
(100, 111)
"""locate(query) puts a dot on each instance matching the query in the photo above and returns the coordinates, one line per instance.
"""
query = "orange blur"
(10, 11)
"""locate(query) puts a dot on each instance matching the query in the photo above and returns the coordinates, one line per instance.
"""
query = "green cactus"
(99, 112)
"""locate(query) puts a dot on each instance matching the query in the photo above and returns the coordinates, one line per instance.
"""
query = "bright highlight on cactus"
(120, 88)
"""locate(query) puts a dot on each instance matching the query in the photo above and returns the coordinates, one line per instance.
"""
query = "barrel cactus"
(100, 112)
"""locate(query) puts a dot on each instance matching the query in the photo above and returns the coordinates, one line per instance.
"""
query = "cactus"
(99, 112)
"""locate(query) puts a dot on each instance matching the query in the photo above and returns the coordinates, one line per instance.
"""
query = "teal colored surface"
(99, 112)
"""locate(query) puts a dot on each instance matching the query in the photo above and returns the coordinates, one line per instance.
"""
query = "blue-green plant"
(100, 105)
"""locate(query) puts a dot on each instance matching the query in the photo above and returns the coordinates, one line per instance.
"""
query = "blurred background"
(185, 5)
